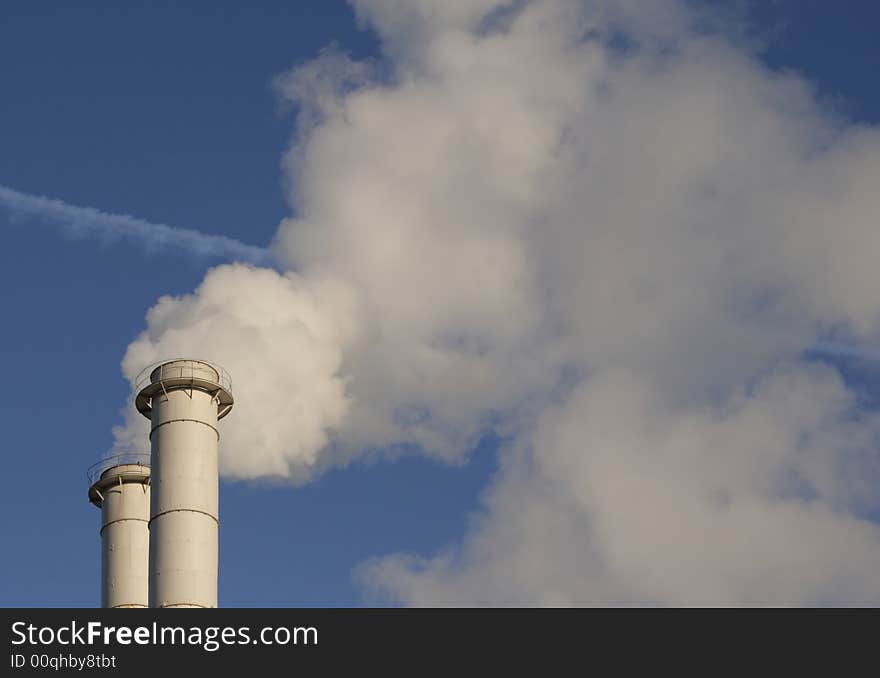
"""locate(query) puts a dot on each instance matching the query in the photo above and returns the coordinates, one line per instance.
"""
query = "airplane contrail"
(90, 221)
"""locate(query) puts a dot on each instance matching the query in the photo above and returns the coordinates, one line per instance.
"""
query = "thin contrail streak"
(90, 221)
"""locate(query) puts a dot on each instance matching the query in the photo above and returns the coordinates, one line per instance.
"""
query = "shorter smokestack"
(120, 487)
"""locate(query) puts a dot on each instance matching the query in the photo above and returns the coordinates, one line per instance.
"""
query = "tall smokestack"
(120, 487)
(184, 399)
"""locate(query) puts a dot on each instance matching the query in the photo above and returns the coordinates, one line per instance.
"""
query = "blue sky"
(165, 111)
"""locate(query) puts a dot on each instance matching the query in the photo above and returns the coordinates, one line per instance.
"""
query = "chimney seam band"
(197, 421)
(201, 607)
(122, 520)
(113, 607)
(204, 513)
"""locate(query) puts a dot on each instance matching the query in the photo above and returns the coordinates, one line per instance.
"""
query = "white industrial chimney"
(120, 487)
(184, 399)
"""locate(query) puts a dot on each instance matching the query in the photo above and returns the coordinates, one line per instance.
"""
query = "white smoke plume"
(604, 233)
(88, 221)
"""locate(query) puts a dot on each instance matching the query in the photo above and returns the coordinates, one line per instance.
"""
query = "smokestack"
(184, 399)
(120, 487)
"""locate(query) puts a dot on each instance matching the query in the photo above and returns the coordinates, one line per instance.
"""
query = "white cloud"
(518, 205)
(618, 499)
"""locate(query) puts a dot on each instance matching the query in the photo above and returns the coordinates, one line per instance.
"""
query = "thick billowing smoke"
(257, 321)
(604, 234)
